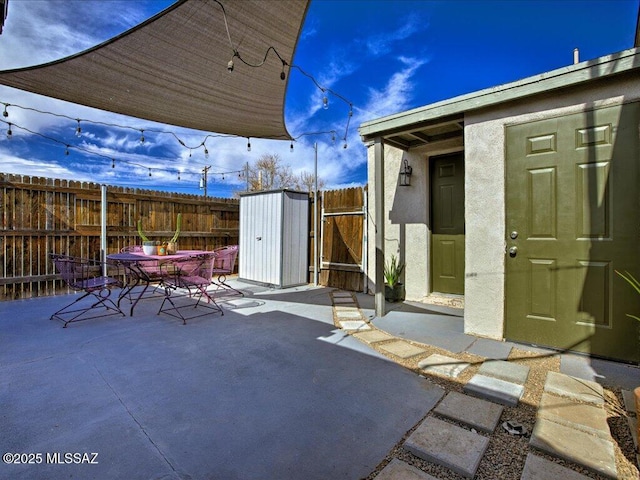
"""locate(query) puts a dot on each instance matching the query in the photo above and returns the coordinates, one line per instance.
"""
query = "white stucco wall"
(485, 240)
(407, 233)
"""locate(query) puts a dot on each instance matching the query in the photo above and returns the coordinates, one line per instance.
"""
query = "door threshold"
(444, 299)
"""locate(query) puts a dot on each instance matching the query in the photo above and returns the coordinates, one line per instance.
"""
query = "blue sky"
(383, 56)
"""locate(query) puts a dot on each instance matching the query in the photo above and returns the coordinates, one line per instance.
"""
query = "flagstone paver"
(399, 470)
(342, 300)
(576, 388)
(495, 390)
(443, 365)
(352, 314)
(354, 325)
(577, 446)
(374, 336)
(583, 416)
(402, 349)
(538, 468)
(448, 445)
(508, 371)
(472, 411)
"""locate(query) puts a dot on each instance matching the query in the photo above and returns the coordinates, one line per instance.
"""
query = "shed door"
(447, 223)
(572, 214)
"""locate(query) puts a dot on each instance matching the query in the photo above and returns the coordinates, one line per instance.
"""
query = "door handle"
(513, 251)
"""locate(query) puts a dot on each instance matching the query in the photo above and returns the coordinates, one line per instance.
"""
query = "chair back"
(70, 270)
(196, 270)
(131, 249)
(225, 260)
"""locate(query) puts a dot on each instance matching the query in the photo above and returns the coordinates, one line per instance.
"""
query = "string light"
(78, 129)
(325, 102)
(291, 147)
(5, 114)
(141, 136)
(206, 152)
(96, 154)
(248, 144)
(9, 133)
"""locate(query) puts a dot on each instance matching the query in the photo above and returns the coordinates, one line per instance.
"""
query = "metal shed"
(274, 236)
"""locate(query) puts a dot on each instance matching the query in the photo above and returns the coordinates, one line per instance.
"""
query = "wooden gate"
(342, 251)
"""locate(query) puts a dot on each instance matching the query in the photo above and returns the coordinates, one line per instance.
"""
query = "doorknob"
(513, 251)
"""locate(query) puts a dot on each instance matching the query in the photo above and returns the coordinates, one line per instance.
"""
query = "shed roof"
(445, 119)
(172, 68)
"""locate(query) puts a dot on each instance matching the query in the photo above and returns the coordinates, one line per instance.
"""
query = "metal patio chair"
(148, 273)
(88, 276)
(192, 274)
(225, 263)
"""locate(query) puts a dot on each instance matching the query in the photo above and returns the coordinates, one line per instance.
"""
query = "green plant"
(392, 271)
(633, 281)
(173, 239)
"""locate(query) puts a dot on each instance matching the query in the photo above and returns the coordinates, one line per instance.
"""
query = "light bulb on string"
(142, 137)
(291, 147)
(248, 145)
(149, 171)
(178, 176)
(325, 102)
(9, 133)
(223, 176)
(113, 163)
(66, 151)
(5, 114)
(78, 129)
(282, 74)
(333, 137)
(206, 152)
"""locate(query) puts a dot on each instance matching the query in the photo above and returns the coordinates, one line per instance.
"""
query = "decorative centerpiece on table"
(151, 247)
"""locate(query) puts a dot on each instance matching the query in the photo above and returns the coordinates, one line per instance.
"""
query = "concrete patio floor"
(270, 390)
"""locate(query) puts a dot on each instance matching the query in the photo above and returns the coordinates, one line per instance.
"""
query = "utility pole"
(203, 180)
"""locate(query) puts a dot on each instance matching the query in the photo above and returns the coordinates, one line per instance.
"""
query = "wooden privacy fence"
(41, 216)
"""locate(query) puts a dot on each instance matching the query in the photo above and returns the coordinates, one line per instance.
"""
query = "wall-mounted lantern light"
(405, 174)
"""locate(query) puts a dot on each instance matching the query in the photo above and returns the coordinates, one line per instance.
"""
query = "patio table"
(133, 262)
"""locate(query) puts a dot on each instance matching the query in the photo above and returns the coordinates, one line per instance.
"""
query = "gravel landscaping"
(506, 454)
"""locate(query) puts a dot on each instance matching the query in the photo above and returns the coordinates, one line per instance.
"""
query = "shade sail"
(173, 68)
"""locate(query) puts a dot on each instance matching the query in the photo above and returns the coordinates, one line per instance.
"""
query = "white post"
(103, 228)
(379, 225)
(315, 217)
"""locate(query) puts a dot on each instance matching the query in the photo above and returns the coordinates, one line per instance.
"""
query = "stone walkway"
(571, 422)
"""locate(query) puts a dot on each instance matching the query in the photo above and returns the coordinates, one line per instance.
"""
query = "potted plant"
(393, 288)
(150, 247)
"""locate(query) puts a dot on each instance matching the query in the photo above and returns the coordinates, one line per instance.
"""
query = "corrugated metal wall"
(274, 231)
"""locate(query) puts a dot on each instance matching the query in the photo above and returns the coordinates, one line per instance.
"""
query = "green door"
(447, 223)
(572, 219)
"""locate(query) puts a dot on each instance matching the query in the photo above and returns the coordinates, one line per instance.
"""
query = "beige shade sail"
(173, 68)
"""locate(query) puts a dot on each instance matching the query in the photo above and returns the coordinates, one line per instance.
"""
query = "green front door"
(447, 223)
(572, 219)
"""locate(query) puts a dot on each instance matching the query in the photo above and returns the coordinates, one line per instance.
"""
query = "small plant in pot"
(393, 288)
(150, 247)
